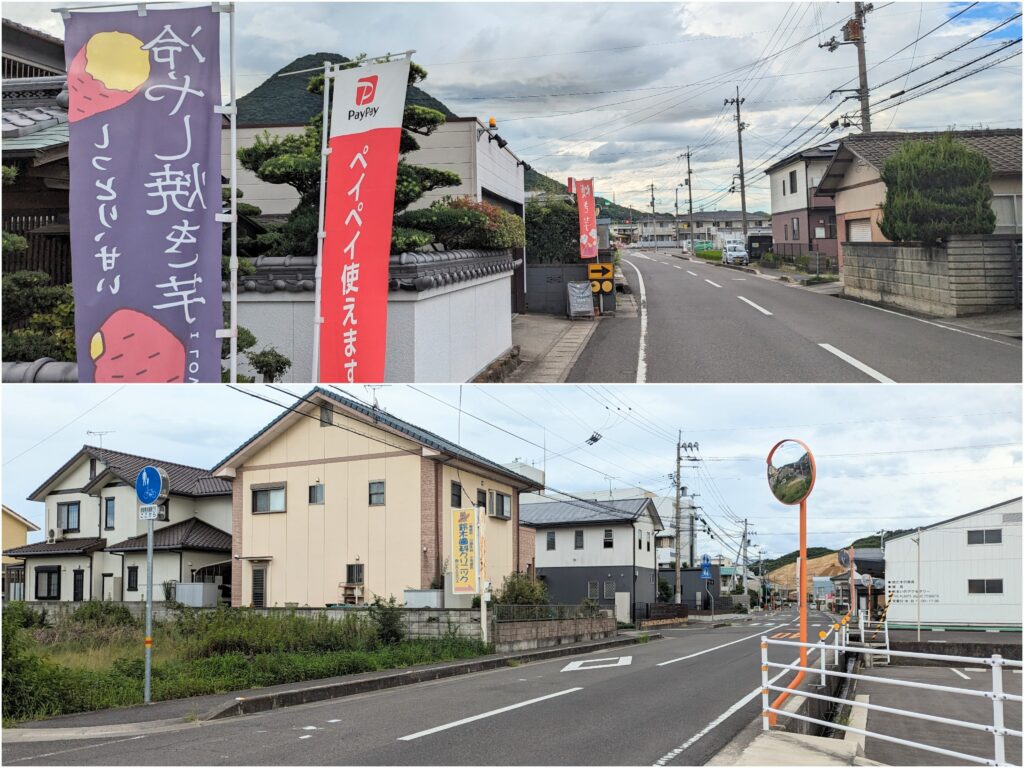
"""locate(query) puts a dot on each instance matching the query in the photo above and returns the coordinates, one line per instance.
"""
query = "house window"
(593, 588)
(133, 578)
(578, 536)
(985, 586)
(268, 499)
(48, 582)
(92, 469)
(608, 542)
(640, 540)
(67, 516)
(987, 536)
(316, 493)
(785, 231)
(609, 590)
(551, 541)
(259, 586)
(376, 493)
(481, 499)
(783, 187)
(326, 416)
(792, 182)
(502, 506)
(648, 541)
(456, 494)
(831, 227)
(108, 513)
(796, 228)
(354, 573)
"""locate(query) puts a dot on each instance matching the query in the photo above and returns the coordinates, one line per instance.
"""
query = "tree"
(520, 589)
(38, 318)
(935, 189)
(295, 160)
(553, 232)
(665, 592)
(269, 363)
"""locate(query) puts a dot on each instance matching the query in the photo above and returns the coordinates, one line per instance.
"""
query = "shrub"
(665, 591)
(935, 189)
(386, 618)
(553, 233)
(520, 589)
(269, 363)
(24, 616)
(102, 614)
(463, 223)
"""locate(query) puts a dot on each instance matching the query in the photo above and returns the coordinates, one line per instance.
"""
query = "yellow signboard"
(602, 277)
(465, 541)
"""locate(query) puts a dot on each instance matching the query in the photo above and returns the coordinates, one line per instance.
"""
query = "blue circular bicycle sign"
(151, 485)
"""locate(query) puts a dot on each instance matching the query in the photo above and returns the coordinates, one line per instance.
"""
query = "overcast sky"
(618, 90)
(892, 457)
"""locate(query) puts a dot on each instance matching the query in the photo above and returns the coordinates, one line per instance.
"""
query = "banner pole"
(233, 262)
(321, 234)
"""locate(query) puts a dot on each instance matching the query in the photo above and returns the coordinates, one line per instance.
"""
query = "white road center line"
(760, 309)
(857, 364)
(709, 650)
(691, 273)
(965, 677)
(712, 283)
(641, 358)
(739, 278)
(676, 266)
(482, 715)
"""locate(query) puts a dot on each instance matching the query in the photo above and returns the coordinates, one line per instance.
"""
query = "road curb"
(748, 270)
(280, 699)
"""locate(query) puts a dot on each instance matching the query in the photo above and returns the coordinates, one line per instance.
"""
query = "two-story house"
(803, 221)
(598, 550)
(95, 546)
(336, 502)
(15, 534)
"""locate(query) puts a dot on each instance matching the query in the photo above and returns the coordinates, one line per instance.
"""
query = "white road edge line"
(965, 677)
(709, 650)
(691, 273)
(938, 325)
(864, 368)
(482, 715)
(712, 282)
(762, 310)
(641, 358)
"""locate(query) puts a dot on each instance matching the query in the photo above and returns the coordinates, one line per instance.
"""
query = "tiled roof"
(184, 480)
(33, 31)
(65, 547)
(285, 100)
(18, 122)
(34, 114)
(1002, 147)
(188, 534)
(572, 512)
(384, 418)
(821, 152)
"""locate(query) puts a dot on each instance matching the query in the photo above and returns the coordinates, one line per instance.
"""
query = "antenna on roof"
(373, 394)
(100, 434)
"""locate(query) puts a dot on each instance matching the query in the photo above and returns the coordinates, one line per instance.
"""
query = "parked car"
(735, 253)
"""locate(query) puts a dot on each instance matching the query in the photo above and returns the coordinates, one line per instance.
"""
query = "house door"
(259, 586)
(79, 586)
(107, 591)
(858, 231)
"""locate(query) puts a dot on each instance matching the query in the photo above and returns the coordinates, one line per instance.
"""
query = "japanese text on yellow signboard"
(464, 551)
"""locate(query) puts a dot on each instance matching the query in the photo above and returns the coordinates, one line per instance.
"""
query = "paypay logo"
(366, 89)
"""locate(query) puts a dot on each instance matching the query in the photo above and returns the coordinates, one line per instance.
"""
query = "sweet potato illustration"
(105, 73)
(133, 347)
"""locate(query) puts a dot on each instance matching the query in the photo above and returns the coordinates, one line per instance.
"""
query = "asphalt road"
(706, 323)
(676, 701)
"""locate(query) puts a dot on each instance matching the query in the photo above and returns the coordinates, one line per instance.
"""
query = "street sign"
(148, 511)
(152, 485)
(602, 278)
(705, 568)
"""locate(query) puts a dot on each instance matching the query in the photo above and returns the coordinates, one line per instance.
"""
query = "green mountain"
(538, 182)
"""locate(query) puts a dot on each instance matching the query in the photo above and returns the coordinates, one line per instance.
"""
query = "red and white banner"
(588, 218)
(366, 126)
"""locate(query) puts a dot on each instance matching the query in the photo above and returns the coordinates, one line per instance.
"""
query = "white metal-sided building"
(962, 572)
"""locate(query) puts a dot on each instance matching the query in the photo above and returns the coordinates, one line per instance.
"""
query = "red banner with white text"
(366, 127)
(588, 218)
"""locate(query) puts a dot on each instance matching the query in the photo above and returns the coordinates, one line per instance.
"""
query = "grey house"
(601, 550)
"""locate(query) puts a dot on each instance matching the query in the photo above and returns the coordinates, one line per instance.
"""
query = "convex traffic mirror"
(790, 471)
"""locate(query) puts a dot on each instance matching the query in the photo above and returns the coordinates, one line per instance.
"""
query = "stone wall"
(526, 635)
(971, 275)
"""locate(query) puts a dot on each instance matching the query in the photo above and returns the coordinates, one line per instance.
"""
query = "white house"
(598, 550)
(95, 546)
(965, 571)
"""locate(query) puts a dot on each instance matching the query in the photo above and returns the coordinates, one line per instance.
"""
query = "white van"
(735, 253)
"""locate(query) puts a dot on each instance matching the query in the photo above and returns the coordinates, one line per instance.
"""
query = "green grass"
(81, 666)
(710, 255)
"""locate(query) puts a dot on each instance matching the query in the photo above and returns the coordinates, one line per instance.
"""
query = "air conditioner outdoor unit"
(55, 534)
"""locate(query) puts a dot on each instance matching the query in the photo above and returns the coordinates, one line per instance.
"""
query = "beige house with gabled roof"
(335, 502)
(15, 534)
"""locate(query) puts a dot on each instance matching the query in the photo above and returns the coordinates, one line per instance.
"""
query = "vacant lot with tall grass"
(94, 659)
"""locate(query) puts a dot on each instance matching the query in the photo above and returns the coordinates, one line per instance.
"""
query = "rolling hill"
(538, 182)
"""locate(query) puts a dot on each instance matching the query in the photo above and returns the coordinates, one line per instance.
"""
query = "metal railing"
(997, 695)
(508, 613)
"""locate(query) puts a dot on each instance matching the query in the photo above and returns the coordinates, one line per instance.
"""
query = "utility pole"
(744, 556)
(679, 493)
(689, 189)
(739, 138)
(677, 214)
(853, 34)
(654, 233)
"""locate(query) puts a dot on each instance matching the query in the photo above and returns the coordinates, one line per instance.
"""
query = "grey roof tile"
(65, 547)
(573, 512)
(188, 534)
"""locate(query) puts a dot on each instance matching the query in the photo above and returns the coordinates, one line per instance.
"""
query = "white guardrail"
(997, 695)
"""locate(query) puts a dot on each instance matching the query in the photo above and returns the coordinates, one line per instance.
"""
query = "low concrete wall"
(979, 650)
(525, 635)
(971, 275)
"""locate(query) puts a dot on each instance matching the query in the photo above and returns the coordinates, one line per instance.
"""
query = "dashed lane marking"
(965, 677)
(862, 367)
(691, 273)
(759, 308)
(712, 282)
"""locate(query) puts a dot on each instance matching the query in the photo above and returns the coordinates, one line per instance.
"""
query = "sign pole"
(320, 233)
(803, 581)
(149, 612)
(479, 582)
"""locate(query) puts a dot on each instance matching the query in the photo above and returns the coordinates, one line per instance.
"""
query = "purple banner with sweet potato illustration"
(145, 192)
